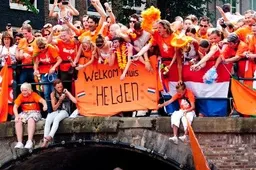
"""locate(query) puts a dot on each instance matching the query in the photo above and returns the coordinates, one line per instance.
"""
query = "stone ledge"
(160, 124)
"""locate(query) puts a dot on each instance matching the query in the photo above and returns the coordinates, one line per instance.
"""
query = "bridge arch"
(140, 137)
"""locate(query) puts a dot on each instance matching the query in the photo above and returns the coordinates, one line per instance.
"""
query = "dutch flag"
(80, 94)
(151, 90)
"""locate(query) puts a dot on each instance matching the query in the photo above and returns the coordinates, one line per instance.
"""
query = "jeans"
(65, 76)
(54, 118)
(48, 88)
(27, 75)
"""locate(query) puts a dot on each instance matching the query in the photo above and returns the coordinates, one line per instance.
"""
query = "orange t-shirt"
(185, 100)
(200, 37)
(228, 52)
(85, 57)
(93, 34)
(65, 51)
(30, 48)
(243, 32)
(28, 103)
(47, 58)
(164, 44)
(80, 31)
(252, 43)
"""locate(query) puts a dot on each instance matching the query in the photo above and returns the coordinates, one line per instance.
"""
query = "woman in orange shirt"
(86, 53)
(186, 113)
(213, 54)
(29, 102)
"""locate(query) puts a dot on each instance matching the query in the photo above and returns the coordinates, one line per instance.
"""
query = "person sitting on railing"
(29, 102)
(186, 113)
(46, 62)
(60, 100)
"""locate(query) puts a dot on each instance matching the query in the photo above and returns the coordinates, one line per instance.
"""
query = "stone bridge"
(133, 143)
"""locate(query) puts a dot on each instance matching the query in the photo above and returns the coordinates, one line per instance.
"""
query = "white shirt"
(4, 52)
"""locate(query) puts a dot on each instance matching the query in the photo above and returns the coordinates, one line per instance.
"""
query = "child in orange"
(29, 102)
(187, 105)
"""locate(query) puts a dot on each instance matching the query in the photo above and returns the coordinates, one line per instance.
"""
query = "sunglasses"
(100, 45)
(42, 47)
(132, 21)
(205, 26)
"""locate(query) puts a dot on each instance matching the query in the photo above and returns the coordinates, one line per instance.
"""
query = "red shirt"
(47, 58)
(66, 50)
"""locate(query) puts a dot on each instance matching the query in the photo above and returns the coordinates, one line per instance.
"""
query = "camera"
(64, 92)
(222, 23)
(64, 2)
(133, 57)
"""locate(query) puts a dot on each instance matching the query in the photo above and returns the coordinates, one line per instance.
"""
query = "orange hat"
(181, 41)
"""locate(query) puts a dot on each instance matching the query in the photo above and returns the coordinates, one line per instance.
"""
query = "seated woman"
(29, 102)
(186, 100)
(60, 99)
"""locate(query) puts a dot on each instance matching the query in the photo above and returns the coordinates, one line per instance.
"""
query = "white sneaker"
(19, 145)
(183, 138)
(174, 139)
(29, 144)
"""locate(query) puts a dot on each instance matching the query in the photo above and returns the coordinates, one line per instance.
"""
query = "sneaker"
(29, 144)
(183, 138)
(174, 139)
(19, 145)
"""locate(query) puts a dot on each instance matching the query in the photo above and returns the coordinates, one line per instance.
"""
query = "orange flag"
(244, 98)
(198, 155)
(4, 93)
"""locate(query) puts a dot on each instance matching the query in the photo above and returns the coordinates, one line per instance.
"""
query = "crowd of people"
(53, 54)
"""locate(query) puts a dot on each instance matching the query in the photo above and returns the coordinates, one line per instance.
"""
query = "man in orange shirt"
(204, 25)
(29, 102)
(25, 50)
(234, 51)
(67, 51)
(46, 63)
(187, 105)
(249, 20)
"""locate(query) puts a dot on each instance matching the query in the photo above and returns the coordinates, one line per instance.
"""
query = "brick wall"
(230, 151)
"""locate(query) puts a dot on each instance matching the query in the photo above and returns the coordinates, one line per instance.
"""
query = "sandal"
(46, 141)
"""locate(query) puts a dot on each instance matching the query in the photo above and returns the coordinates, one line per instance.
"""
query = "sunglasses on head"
(205, 26)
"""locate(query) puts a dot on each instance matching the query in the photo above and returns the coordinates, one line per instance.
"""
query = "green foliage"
(30, 6)
(173, 8)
